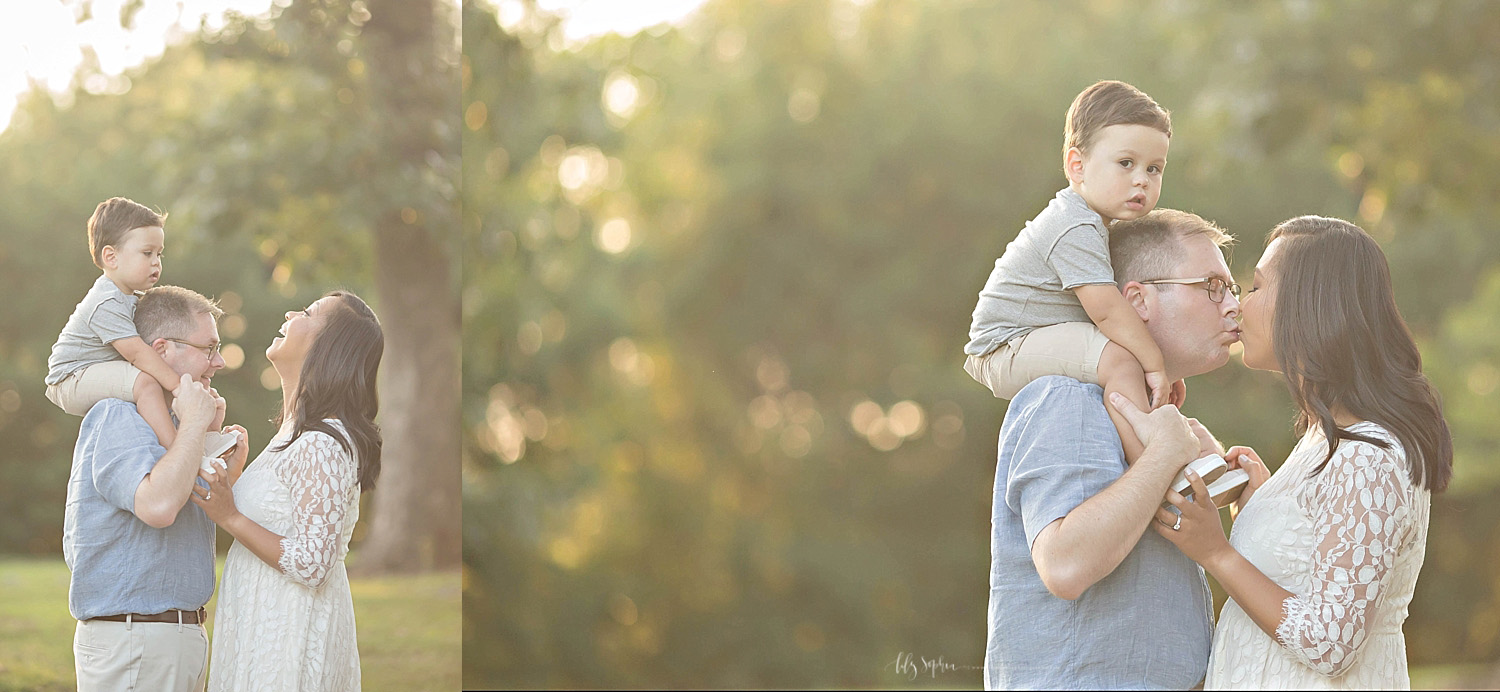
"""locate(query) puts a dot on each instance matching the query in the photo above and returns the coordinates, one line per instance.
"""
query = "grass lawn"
(410, 630)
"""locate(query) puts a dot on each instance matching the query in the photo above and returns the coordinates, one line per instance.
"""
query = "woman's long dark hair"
(1341, 343)
(338, 381)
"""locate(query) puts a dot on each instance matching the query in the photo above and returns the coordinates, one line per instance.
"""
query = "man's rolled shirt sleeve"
(1053, 472)
(125, 457)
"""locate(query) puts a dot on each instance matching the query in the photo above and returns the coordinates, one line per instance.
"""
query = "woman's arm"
(1361, 517)
(217, 501)
(323, 483)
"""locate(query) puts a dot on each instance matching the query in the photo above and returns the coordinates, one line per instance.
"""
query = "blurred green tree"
(718, 276)
(323, 139)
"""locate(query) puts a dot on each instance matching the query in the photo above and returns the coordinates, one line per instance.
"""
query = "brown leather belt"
(189, 617)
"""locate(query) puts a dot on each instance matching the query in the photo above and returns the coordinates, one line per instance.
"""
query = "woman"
(285, 617)
(1324, 554)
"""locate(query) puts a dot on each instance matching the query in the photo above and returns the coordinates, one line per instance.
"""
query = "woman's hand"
(217, 500)
(240, 454)
(1241, 457)
(1198, 533)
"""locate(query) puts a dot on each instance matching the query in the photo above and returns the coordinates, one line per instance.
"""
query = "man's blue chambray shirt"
(1147, 625)
(120, 564)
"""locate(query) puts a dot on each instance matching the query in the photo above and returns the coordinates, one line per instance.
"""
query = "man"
(1081, 594)
(141, 555)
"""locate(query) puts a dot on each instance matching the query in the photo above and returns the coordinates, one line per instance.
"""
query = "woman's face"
(1256, 312)
(297, 334)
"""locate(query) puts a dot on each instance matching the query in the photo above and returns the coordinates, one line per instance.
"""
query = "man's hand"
(194, 406)
(1163, 430)
(1206, 443)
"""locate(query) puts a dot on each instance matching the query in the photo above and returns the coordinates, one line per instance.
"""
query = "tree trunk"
(410, 47)
(416, 517)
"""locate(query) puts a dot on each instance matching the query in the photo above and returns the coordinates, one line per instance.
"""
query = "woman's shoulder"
(1388, 441)
(1384, 457)
(313, 438)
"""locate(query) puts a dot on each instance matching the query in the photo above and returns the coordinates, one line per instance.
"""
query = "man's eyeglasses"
(212, 350)
(1216, 286)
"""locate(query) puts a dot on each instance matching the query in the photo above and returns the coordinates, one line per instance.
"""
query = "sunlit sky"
(585, 18)
(42, 41)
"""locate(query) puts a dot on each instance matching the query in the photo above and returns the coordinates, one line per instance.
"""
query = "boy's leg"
(1070, 349)
(151, 403)
(114, 379)
(1119, 371)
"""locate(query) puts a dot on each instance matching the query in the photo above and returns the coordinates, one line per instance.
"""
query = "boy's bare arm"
(1113, 315)
(135, 350)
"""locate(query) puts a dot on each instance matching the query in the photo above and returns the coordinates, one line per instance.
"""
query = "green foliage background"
(667, 477)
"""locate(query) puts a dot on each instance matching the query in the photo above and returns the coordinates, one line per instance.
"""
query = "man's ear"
(1073, 165)
(1135, 294)
(160, 346)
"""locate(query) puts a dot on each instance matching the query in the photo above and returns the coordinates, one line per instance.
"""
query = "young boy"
(99, 355)
(1051, 306)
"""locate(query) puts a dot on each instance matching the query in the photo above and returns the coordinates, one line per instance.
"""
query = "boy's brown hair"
(112, 219)
(1108, 103)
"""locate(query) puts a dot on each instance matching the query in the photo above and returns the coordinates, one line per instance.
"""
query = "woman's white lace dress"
(1347, 544)
(291, 629)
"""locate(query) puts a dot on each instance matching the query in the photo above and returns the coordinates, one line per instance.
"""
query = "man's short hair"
(1110, 103)
(171, 312)
(1151, 247)
(112, 219)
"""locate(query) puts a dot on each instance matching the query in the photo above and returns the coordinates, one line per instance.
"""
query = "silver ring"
(1177, 525)
(210, 496)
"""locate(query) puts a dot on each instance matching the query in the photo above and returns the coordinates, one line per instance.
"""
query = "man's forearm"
(164, 491)
(1076, 551)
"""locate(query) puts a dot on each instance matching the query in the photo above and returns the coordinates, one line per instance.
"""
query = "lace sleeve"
(1362, 516)
(321, 478)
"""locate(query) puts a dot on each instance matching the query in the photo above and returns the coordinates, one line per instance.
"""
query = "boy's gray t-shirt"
(1146, 625)
(1065, 246)
(105, 314)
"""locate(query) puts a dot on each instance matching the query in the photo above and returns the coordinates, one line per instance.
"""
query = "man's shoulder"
(1053, 408)
(1053, 392)
(112, 413)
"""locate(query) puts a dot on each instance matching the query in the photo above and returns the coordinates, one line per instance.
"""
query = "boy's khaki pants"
(140, 656)
(78, 392)
(1071, 349)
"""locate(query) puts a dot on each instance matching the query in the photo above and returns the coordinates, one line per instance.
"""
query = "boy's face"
(1120, 176)
(135, 264)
